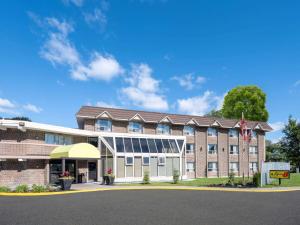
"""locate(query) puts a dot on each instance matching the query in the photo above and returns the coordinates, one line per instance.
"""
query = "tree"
(274, 152)
(250, 100)
(23, 118)
(215, 113)
(290, 142)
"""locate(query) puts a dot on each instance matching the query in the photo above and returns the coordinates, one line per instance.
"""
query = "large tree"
(250, 100)
(274, 152)
(290, 143)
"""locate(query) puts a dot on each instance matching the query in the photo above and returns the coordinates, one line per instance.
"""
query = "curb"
(147, 188)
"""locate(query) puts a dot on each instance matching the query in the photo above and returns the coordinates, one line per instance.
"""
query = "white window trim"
(156, 130)
(238, 150)
(160, 163)
(256, 150)
(131, 131)
(186, 133)
(235, 131)
(145, 164)
(190, 170)
(98, 126)
(129, 164)
(212, 135)
(190, 151)
(234, 169)
(215, 151)
(213, 169)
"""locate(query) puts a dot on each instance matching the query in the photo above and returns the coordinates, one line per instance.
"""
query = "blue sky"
(161, 55)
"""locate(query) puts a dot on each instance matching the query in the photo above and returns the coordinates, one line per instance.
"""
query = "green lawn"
(292, 182)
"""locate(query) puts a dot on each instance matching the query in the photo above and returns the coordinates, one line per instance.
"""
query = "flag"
(245, 132)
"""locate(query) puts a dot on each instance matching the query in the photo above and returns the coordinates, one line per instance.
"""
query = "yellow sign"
(280, 174)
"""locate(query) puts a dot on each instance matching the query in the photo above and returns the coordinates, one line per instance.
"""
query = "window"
(128, 145)
(135, 127)
(119, 144)
(152, 146)
(233, 150)
(212, 149)
(159, 145)
(189, 148)
(253, 134)
(161, 161)
(253, 167)
(212, 132)
(167, 146)
(103, 125)
(188, 130)
(57, 139)
(174, 146)
(146, 161)
(253, 150)
(190, 166)
(144, 145)
(129, 161)
(163, 129)
(233, 133)
(234, 167)
(212, 167)
(136, 145)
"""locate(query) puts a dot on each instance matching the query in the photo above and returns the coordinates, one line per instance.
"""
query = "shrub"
(4, 189)
(175, 176)
(22, 188)
(256, 179)
(231, 178)
(146, 178)
(38, 188)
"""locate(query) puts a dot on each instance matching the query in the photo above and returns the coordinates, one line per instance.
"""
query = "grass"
(197, 182)
(294, 181)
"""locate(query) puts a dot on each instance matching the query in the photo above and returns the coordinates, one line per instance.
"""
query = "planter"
(66, 184)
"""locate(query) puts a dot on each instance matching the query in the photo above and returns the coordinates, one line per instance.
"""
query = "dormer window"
(253, 134)
(135, 127)
(212, 132)
(103, 125)
(233, 133)
(163, 129)
(188, 130)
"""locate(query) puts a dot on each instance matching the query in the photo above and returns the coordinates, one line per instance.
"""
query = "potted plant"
(109, 178)
(66, 180)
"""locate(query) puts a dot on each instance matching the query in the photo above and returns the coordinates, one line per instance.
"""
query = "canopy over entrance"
(76, 151)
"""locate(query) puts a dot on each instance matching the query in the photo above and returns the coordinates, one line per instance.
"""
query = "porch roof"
(80, 151)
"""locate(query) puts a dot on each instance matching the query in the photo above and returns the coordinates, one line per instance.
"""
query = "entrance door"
(71, 168)
(92, 171)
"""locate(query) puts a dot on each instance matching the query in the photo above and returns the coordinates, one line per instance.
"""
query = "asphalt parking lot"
(161, 207)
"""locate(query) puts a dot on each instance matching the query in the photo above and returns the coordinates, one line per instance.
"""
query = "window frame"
(232, 152)
(98, 125)
(214, 134)
(188, 169)
(251, 167)
(215, 152)
(255, 152)
(159, 161)
(131, 129)
(252, 134)
(126, 162)
(232, 130)
(161, 130)
(234, 163)
(191, 150)
(212, 169)
(186, 129)
(146, 164)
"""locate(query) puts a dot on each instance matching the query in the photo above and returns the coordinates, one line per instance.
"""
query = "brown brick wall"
(13, 173)
(201, 152)
(149, 128)
(119, 126)
(89, 124)
(223, 152)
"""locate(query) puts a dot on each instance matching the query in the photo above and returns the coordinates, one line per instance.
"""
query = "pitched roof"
(156, 117)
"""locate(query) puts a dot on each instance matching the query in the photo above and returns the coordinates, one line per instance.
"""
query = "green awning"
(76, 151)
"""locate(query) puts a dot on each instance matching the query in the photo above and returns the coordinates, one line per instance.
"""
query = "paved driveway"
(153, 207)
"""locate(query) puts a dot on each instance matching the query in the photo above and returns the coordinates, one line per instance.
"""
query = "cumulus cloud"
(5, 103)
(97, 17)
(199, 105)
(105, 104)
(59, 50)
(144, 90)
(189, 81)
(32, 108)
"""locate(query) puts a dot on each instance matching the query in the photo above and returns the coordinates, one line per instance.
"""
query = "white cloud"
(58, 49)
(5, 103)
(32, 108)
(189, 81)
(75, 2)
(277, 126)
(97, 17)
(105, 104)
(143, 89)
(199, 105)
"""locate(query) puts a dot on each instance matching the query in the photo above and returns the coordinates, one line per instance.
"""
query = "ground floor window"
(190, 166)
(146, 161)
(129, 161)
(212, 167)
(161, 160)
(234, 167)
(253, 167)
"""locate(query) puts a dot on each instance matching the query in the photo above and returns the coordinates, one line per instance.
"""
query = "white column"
(63, 164)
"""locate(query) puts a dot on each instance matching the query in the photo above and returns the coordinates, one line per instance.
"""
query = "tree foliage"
(23, 118)
(215, 113)
(290, 143)
(274, 152)
(250, 100)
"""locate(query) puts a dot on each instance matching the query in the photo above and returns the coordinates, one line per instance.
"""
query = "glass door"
(92, 171)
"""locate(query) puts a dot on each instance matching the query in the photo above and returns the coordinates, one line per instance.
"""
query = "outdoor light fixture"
(200, 149)
(223, 149)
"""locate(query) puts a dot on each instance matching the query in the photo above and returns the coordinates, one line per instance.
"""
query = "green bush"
(256, 179)
(146, 178)
(22, 188)
(231, 178)
(38, 188)
(175, 176)
(4, 189)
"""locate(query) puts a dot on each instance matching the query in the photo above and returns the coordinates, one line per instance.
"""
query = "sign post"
(279, 174)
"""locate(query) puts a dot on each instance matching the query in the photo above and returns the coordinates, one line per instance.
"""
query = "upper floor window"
(188, 130)
(212, 149)
(189, 148)
(212, 132)
(233, 133)
(233, 150)
(163, 129)
(253, 150)
(103, 125)
(57, 139)
(135, 127)
(253, 134)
